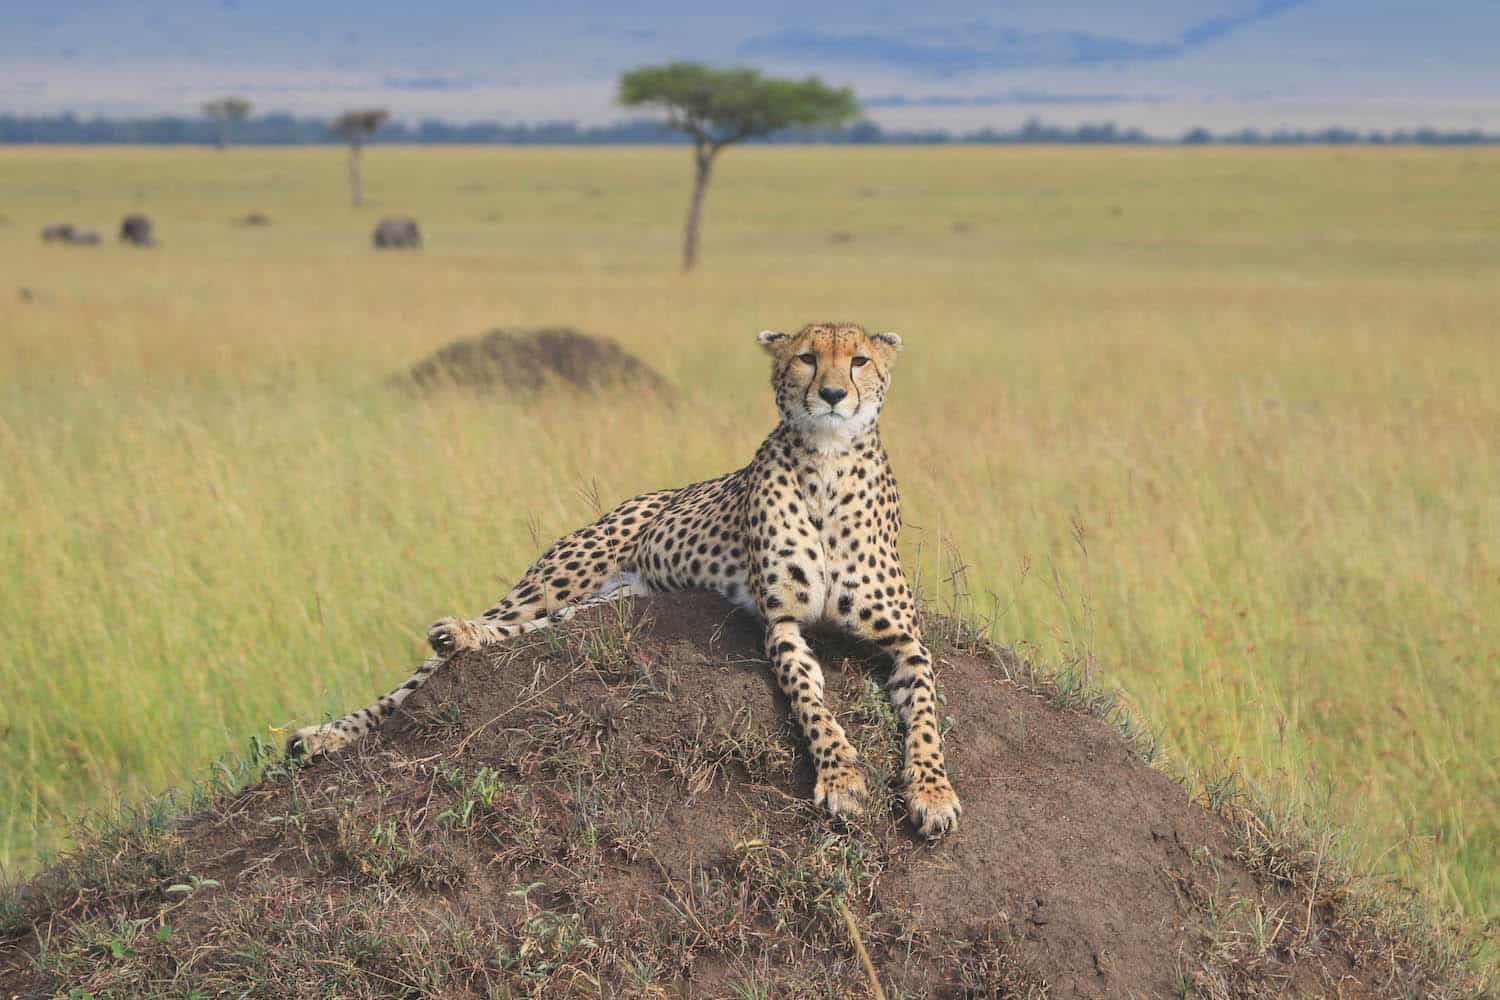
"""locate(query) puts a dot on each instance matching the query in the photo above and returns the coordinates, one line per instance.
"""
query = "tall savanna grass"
(1226, 419)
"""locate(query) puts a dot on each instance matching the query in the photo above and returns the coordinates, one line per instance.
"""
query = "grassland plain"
(1226, 420)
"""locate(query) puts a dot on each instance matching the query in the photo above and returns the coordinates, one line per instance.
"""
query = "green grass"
(1227, 419)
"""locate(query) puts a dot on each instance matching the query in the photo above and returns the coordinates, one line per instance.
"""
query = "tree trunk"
(356, 186)
(703, 158)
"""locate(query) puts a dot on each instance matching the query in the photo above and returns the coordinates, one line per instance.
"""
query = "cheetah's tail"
(311, 741)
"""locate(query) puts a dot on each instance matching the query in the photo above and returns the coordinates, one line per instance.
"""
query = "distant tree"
(228, 112)
(354, 127)
(716, 107)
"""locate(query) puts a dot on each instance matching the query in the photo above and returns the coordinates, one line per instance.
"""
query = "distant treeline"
(289, 130)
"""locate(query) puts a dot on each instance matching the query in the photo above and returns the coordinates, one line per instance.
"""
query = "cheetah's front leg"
(930, 798)
(887, 621)
(839, 786)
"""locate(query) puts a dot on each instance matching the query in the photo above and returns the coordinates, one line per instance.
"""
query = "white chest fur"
(820, 478)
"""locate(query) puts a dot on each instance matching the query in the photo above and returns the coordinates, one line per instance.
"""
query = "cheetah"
(805, 533)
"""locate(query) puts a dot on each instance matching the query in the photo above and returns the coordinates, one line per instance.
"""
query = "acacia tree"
(716, 107)
(354, 127)
(228, 112)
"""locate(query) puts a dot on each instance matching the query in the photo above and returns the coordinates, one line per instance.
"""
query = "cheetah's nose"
(832, 394)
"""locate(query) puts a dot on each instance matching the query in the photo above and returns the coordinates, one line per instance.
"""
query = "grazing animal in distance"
(399, 232)
(66, 232)
(806, 533)
(135, 229)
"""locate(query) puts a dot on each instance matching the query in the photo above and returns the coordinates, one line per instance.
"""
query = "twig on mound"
(527, 702)
(859, 947)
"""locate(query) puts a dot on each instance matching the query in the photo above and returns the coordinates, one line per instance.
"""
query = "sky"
(1162, 65)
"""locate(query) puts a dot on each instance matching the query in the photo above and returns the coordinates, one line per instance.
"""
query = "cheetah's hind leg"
(513, 617)
(448, 636)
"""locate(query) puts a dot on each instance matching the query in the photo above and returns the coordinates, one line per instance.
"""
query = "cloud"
(1006, 48)
(434, 82)
(1022, 97)
(1213, 28)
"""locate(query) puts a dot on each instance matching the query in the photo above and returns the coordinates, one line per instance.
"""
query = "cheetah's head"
(830, 378)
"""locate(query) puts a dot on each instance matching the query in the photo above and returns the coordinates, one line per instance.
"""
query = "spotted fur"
(806, 532)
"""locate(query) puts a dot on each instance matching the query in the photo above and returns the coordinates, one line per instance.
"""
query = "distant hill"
(289, 130)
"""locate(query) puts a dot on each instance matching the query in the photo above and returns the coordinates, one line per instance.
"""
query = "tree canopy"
(356, 126)
(227, 109)
(720, 106)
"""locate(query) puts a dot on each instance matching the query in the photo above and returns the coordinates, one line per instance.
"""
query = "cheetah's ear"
(772, 340)
(890, 340)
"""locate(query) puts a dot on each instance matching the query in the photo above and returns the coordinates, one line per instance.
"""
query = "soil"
(618, 807)
(528, 361)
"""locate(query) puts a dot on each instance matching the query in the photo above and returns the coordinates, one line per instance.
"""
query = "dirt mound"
(619, 808)
(527, 361)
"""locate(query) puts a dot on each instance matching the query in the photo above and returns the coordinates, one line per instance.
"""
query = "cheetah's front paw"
(449, 635)
(314, 741)
(932, 804)
(840, 789)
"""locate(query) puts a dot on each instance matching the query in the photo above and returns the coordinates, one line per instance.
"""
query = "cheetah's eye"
(808, 359)
(859, 362)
